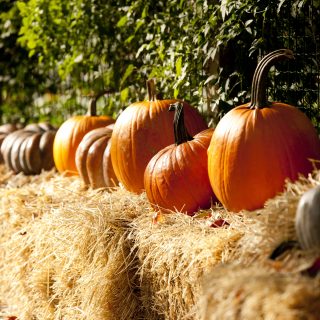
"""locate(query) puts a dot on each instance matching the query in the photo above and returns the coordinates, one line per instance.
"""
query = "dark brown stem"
(259, 91)
(181, 134)
(92, 111)
(151, 88)
(258, 71)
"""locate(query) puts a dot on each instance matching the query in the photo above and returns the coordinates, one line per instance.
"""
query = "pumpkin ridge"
(95, 174)
(166, 200)
(183, 157)
(108, 174)
(155, 188)
(193, 192)
(134, 129)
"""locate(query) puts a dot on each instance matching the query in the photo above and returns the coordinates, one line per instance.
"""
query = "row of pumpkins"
(166, 148)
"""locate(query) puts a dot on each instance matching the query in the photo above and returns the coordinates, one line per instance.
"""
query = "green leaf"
(139, 23)
(179, 66)
(127, 73)
(129, 39)
(122, 22)
(144, 13)
(31, 53)
(176, 93)
(124, 94)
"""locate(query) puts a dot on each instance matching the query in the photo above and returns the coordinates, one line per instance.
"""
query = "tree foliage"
(21, 78)
(203, 51)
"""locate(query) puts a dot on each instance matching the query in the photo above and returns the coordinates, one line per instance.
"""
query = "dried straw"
(233, 292)
(178, 252)
(66, 253)
(74, 253)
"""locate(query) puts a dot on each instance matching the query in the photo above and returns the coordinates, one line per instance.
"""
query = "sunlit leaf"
(179, 66)
(122, 22)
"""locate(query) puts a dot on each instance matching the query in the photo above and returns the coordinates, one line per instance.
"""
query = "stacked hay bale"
(75, 253)
(233, 292)
(174, 255)
(65, 254)
(188, 268)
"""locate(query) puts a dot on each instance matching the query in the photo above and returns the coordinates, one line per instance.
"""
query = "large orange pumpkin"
(70, 134)
(176, 178)
(257, 146)
(143, 129)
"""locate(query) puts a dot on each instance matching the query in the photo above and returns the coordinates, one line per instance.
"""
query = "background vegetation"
(55, 54)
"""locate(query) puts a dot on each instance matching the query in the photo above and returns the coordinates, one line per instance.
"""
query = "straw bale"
(174, 254)
(65, 252)
(233, 292)
(74, 253)
(177, 252)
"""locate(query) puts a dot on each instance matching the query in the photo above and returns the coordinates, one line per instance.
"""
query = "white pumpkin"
(307, 221)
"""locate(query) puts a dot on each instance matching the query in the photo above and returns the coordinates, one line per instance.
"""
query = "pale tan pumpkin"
(93, 160)
(29, 150)
(307, 222)
(6, 129)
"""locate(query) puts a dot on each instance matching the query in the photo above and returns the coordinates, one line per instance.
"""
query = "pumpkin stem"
(257, 73)
(92, 111)
(151, 88)
(181, 134)
(259, 97)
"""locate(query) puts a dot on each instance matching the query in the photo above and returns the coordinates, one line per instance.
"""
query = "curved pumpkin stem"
(92, 111)
(257, 72)
(258, 90)
(181, 134)
(151, 88)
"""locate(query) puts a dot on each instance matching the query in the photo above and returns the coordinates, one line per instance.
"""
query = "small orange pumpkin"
(257, 146)
(93, 158)
(143, 129)
(72, 132)
(176, 178)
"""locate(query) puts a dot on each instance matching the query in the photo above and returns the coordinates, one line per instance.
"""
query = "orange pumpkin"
(176, 178)
(257, 146)
(70, 134)
(143, 129)
(93, 158)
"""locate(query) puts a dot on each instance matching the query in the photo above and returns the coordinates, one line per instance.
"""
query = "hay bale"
(66, 252)
(178, 252)
(174, 255)
(75, 253)
(232, 292)
(20, 208)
